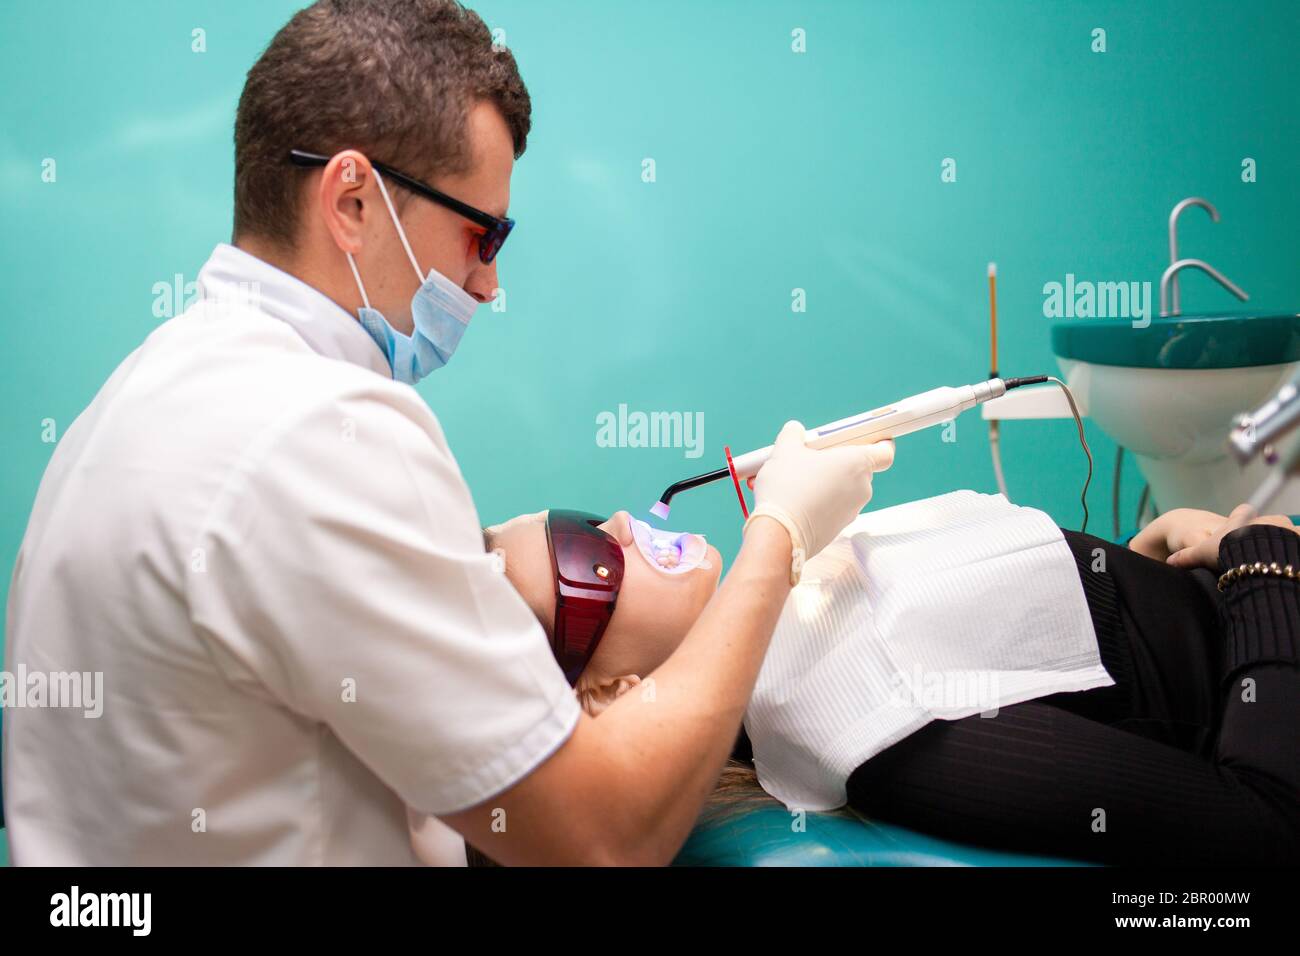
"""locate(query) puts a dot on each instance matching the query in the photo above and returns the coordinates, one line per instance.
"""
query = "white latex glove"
(814, 493)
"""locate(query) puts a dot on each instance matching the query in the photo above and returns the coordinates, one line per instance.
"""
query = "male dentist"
(258, 535)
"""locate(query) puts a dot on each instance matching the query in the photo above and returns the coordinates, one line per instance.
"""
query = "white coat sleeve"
(342, 573)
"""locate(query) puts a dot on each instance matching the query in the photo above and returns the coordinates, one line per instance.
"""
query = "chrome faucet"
(1171, 275)
(1173, 237)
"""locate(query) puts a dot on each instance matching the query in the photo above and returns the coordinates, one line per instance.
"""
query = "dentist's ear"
(339, 193)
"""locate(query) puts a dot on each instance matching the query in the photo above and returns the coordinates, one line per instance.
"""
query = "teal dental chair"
(764, 836)
(755, 829)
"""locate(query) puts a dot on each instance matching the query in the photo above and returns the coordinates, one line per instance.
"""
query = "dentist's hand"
(814, 493)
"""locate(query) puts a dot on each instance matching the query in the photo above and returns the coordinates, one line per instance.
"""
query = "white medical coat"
(265, 546)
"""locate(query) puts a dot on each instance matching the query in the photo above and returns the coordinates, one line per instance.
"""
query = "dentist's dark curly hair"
(395, 80)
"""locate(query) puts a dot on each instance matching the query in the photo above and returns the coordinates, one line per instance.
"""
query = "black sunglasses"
(489, 244)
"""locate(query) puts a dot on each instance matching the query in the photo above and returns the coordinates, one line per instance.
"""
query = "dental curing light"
(892, 421)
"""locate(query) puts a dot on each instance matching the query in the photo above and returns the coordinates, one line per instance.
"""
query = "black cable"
(1078, 420)
(1011, 383)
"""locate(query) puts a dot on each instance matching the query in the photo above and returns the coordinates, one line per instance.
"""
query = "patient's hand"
(1204, 553)
(1188, 538)
(1174, 531)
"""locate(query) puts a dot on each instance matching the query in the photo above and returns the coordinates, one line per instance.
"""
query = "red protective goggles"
(588, 567)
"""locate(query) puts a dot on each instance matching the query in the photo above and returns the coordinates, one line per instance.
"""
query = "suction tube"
(909, 415)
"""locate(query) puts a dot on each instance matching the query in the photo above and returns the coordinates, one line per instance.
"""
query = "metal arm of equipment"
(1261, 433)
(1255, 431)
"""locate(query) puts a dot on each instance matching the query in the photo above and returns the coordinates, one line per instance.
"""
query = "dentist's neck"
(307, 265)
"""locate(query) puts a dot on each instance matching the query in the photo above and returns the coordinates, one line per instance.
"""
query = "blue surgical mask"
(440, 311)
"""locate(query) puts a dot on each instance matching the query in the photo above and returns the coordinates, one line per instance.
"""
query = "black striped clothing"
(1193, 756)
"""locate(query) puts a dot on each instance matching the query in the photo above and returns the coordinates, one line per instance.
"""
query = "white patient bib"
(940, 608)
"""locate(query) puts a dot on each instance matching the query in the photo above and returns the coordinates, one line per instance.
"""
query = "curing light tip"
(659, 510)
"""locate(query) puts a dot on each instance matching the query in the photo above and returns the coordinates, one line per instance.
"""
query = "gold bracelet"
(1258, 568)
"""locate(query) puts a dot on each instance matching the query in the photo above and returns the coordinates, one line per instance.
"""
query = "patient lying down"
(1021, 777)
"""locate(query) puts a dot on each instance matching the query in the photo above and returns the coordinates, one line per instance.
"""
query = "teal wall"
(775, 170)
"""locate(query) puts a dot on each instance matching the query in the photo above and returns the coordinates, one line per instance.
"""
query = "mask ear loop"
(365, 299)
(401, 233)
